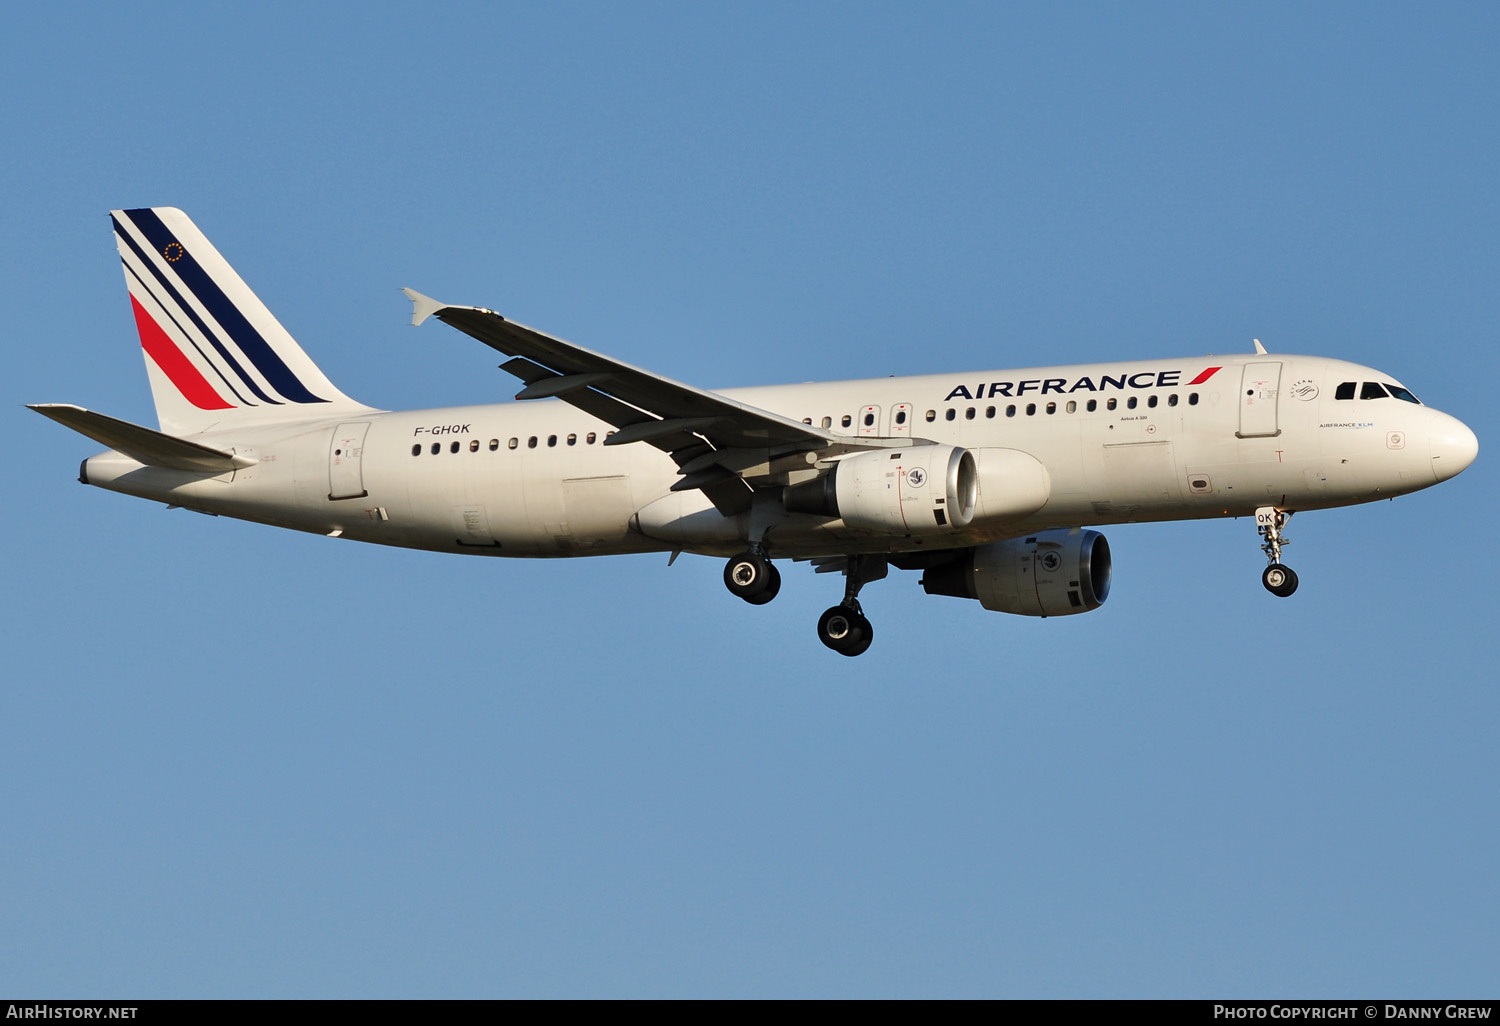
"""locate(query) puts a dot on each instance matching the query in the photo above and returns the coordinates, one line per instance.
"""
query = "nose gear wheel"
(1278, 579)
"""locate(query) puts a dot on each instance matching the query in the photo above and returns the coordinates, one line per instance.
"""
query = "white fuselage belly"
(566, 496)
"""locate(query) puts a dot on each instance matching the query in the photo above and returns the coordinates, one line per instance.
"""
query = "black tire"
(748, 576)
(845, 631)
(773, 586)
(1279, 580)
(867, 635)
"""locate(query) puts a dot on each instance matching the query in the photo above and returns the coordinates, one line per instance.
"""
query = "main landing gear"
(844, 627)
(752, 577)
(1278, 579)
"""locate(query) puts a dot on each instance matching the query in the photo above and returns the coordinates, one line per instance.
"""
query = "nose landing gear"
(1279, 580)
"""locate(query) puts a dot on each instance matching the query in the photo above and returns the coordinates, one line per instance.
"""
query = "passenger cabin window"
(572, 439)
(900, 416)
(1010, 411)
(437, 447)
(513, 442)
(1192, 398)
(416, 450)
(1093, 405)
(1372, 390)
(1131, 402)
(494, 444)
(969, 413)
(1031, 409)
(869, 420)
(474, 445)
(951, 413)
(551, 441)
(1110, 404)
(828, 422)
(1344, 391)
(1072, 406)
(589, 438)
(989, 413)
(531, 442)
(931, 416)
(1172, 399)
(453, 447)
(846, 420)
(1151, 402)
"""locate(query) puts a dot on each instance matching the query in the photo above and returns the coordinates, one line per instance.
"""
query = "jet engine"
(917, 489)
(1052, 573)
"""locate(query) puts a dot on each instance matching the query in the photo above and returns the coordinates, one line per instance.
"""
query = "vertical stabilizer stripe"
(176, 297)
(223, 310)
(165, 354)
(239, 400)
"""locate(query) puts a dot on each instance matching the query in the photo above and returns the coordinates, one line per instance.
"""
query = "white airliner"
(983, 481)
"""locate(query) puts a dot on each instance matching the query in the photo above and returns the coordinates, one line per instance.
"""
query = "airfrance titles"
(1063, 386)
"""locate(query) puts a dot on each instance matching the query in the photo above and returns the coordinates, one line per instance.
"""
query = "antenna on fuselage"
(1258, 347)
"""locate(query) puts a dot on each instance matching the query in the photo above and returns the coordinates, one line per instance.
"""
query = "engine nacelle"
(917, 489)
(1053, 573)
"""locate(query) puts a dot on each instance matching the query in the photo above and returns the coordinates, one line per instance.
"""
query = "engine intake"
(1053, 573)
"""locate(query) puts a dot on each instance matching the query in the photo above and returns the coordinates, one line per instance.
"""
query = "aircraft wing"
(707, 434)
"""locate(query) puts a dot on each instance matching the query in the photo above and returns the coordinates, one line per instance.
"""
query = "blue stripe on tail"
(171, 290)
(188, 335)
(203, 287)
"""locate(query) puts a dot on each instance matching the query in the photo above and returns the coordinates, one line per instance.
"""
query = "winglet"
(1258, 347)
(422, 307)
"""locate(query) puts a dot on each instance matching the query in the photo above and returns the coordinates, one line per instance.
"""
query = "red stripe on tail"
(165, 354)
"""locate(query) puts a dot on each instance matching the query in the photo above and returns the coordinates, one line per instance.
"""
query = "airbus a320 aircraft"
(984, 481)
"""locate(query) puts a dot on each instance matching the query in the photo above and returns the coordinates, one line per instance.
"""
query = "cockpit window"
(1344, 391)
(1402, 394)
(1372, 390)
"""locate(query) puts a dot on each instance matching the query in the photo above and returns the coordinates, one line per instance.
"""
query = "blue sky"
(242, 762)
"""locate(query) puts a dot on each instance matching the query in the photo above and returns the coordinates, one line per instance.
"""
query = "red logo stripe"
(165, 354)
(1201, 378)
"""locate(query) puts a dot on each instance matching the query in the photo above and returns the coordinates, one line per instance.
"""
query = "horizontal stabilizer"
(141, 443)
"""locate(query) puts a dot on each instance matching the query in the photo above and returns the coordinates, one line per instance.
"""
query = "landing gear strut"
(752, 577)
(1278, 579)
(844, 627)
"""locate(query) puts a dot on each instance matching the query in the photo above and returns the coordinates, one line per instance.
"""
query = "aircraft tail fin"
(215, 355)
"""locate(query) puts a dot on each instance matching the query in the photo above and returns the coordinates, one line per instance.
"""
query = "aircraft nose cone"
(1452, 444)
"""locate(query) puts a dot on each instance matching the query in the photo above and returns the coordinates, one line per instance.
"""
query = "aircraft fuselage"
(1190, 438)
